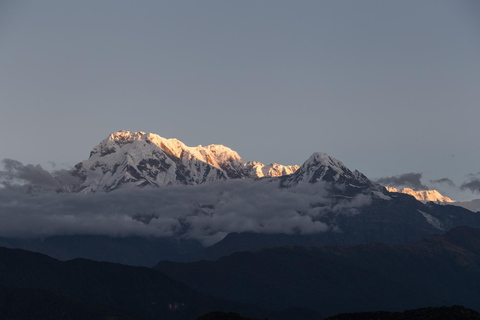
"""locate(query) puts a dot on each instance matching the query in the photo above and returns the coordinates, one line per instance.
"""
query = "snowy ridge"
(423, 195)
(139, 159)
(133, 159)
(259, 170)
(322, 167)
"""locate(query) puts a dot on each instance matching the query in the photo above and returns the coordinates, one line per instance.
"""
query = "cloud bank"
(205, 212)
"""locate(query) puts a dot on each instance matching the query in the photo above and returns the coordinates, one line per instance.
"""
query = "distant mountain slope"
(399, 220)
(473, 205)
(440, 270)
(136, 251)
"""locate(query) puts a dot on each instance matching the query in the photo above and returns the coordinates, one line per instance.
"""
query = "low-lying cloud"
(408, 180)
(206, 212)
(15, 174)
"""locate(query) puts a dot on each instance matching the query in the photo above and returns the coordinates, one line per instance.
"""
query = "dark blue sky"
(386, 87)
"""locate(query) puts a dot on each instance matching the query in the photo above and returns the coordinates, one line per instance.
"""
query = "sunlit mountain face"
(423, 195)
(435, 196)
(138, 159)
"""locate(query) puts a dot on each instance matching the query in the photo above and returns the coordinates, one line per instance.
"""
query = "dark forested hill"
(439, 270)
(97, 290)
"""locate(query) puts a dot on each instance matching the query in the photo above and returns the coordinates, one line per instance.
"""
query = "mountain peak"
(140, 159)
(323, 159)
(321, 167)
(422, 195)
(124, 135)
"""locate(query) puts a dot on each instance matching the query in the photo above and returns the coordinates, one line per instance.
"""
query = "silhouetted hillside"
(79, 284)
(440, 270)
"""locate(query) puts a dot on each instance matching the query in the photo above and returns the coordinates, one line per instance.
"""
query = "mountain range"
(266, 241)
(137, 159)
(140, 198)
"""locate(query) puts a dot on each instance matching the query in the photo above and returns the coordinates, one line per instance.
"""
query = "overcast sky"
(387, 87)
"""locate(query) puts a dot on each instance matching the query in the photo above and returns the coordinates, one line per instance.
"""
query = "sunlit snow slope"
(422, 195)
(139, 159)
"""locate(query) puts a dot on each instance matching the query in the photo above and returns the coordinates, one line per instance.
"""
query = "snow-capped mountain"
(322, 167)
(423, 195)
(139, 159)
(320, 203)
(435, 196)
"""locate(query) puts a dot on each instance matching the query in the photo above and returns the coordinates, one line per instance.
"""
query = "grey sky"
(386, 87)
